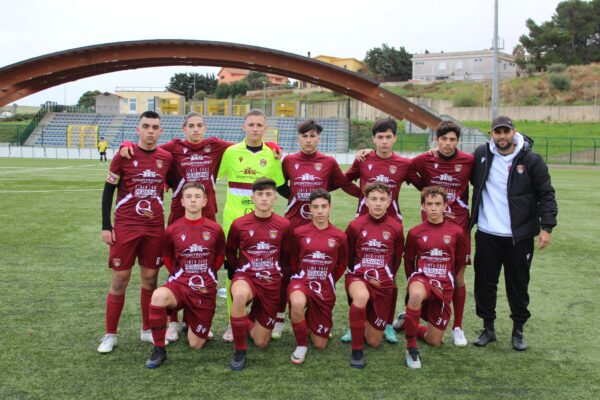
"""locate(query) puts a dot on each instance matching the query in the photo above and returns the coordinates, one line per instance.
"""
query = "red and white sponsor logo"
(393, 169)
(458, 167)
(272, 234)
(318, 166)
(159, 164)
(447, 239)
(206, 235)
(386, 235)
(331, 242)
(263, 162)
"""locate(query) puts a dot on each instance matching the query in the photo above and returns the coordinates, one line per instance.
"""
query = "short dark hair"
(310, 125)
(264, 184)
(193, 185)
(446, 127)
(319, 194)
(255, 112)
(150, 114)
(384, 124)
(379, 186)
(433, 191)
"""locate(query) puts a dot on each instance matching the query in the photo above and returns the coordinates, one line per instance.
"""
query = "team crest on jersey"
(331, 242)
(206, 235)
(370, 166)
(393, 169)
(520, 168)
(386, 235)
(183, 238)
(272, 234)
(117, 262)
(318, 166)
(425, 238)
(207, 148)
(447, 239)
(435, 165)
(251, 232)
(135, 163)
(296, 166)
(458, 167)
(308, 240)
(263, 162)
(159, 164)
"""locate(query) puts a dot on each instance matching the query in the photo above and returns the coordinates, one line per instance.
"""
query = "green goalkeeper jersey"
(242, 167)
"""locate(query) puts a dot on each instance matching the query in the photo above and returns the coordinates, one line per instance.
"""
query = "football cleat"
(357, 359)
(458, 337)
(108, 342)
(347, 337)
(518, 341)
(398, 324)
(299, 354)
(390, 334)
(211, 335)
(413, 359)
(486, 336)
(228, 335)
(158, 356)
(277, 331)
(172, 332)
(238, 362)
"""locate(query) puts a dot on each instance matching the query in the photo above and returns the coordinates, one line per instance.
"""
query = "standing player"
(384, 166)
(319, 257)
(434, 251)
(450, 168)
(305, 172)
(261, 239)
(193, 251)
(102, 146)
(242, 164)
(139, 224)
(376, 243)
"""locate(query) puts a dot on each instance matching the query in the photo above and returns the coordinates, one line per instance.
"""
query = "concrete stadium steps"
(116, 128)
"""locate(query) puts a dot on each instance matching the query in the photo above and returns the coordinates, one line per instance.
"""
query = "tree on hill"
(184, 83)
(388, 64)
(88, 99)
(256, 79)
(572, 36)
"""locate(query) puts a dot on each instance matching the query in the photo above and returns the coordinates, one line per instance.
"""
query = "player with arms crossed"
(387, 167)
(256, 244)
(304, 172)
(376, 244)
(242, 164)
(450, 168)
(434, 251)
(193, 251)
(319, 257)
(139, 224)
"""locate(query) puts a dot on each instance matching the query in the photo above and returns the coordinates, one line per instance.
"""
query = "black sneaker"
(485, 336)
(238, 362)
(357, 359)
(159, 355)
(518, 341)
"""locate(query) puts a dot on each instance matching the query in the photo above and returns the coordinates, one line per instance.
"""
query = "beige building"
(138, 100)
(229, 75)
(459, 66)
(351, 64)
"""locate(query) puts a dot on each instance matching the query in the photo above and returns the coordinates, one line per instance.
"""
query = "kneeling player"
(261, 238)
(376, 243)
(319, 256)
(193, 250)
(434, 252)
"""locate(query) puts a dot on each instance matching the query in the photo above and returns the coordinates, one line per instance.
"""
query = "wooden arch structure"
(30, 76)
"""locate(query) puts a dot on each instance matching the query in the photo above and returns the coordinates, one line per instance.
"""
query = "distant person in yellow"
(102, 146)
(242, 164)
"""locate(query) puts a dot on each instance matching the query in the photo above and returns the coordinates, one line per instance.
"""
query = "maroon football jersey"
(319, 257)
(261, 243)
(375, 248)
(308, 172)
(140, 184)
(196, 162)
(391, 171)
(194, 247)
(452, 174)
(436, 251)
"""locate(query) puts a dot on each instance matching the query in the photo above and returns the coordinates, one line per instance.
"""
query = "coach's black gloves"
(230, 270)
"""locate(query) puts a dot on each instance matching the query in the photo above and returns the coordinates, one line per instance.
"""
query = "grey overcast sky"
(339, 28)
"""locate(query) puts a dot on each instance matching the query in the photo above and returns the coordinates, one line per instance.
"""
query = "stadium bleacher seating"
(116, 128)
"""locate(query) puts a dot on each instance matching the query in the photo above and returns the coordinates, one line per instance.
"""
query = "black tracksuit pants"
(491, 253)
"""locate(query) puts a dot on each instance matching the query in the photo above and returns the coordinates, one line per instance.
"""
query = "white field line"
(48, 191)
(45, 169)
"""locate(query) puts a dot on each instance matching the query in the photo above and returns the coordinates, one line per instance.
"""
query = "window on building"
(442, 65)
(458, 65)
(133, 105)
(151, 104)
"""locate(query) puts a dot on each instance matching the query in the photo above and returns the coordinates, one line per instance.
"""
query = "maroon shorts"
(319, 307)
(265, 298)
(141, 242)
(436, 308)
(198, 308)
(381, 301)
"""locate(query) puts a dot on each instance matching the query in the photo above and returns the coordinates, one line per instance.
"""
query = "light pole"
(264, 84)
(495, 70)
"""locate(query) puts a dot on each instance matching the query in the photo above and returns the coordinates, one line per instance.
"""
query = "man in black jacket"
(512, 199)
